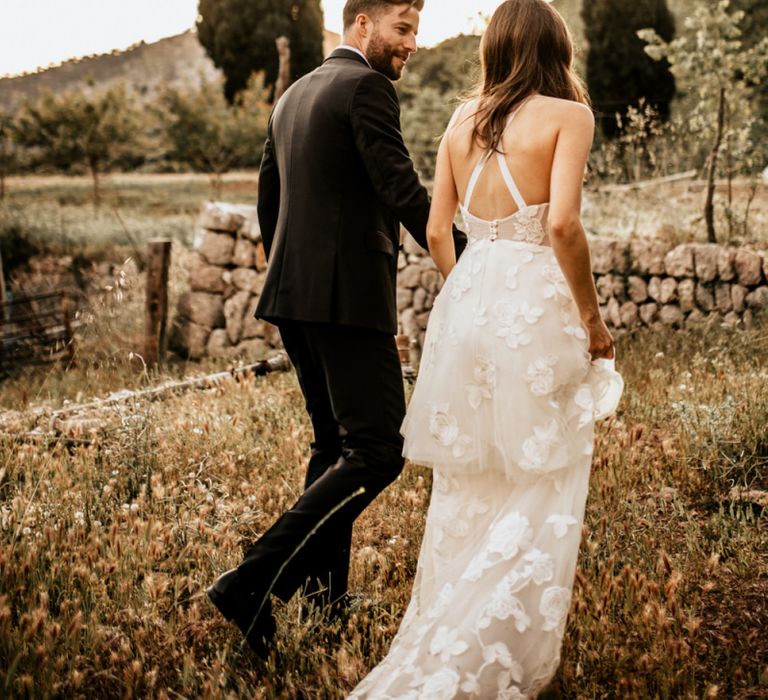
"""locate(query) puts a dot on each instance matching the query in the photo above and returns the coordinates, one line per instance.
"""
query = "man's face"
(393, 39)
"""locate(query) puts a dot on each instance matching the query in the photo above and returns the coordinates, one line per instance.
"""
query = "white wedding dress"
(503, 411)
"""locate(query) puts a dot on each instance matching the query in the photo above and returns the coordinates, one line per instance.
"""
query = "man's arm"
(375, 118)
(268, 206)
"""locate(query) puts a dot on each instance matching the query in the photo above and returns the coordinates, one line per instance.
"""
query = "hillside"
(177, 61)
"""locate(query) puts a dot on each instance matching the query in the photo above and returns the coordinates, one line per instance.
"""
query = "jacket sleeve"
(268, 205)
(375, 119)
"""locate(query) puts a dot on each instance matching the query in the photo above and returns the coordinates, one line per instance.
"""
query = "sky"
(36, 33)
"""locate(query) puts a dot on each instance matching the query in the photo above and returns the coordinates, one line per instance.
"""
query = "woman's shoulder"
(564, 111)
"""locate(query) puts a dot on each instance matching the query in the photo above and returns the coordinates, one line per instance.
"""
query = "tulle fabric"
(503, 410)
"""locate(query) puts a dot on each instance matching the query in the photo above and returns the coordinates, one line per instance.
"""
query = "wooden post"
(158, 262)
(284, 66)
(69, 336)
(2, 281)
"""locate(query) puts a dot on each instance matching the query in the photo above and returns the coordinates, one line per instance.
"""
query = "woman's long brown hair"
(527, 49)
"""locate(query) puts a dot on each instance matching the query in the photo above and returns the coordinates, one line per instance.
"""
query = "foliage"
(239, 36)
(712, 63)
(210, 135)
(80, 128)
(433, 82)
(8, 150)
(619, 73)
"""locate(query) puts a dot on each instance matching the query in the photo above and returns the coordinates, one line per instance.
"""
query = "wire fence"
(38, 329)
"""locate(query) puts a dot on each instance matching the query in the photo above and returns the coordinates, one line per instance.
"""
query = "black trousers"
(352, 384)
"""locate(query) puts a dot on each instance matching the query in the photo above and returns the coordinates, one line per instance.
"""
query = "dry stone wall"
(640, 282)
(215, 317)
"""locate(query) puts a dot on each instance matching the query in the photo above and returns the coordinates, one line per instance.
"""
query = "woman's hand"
(600, 339)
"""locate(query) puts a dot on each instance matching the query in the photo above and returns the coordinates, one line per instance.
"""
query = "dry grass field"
(108, 541)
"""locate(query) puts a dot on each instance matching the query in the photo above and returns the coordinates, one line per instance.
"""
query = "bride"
(517, 367)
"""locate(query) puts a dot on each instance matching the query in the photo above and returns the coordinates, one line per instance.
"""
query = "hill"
(177, 61)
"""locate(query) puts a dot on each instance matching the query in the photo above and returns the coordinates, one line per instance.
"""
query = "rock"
(252, 350)
(670, 315)
(427, 264)
(765, 265)
(668, 290)
(204, 277)
(410, 277)
(695, 318)
(409, 323)
(614, 312)
(217, 216)
(234, 311)
(404, 298)
(679, 261)
(422, 319)
(732, 320)
(243, 254)
(411, 247)
(686, 293)
(217, 248)
(251, 228)
(749, 267)
(738, 297)
(637, 289)
(246, 279)
(251, 325)
(628, 314)
(218, 344)
(190, 339)
(725, 269)
(269, 333)
(748, 320)
(647, 256)
(758, 299)
(621, 257)
(430, 280)
(609, 286)
(203, 308)
(602, 254)
(648, 313)
(420, 300)
(401, 261)
(705, 257)
(723, 299)
(705, 299)
(654, 288)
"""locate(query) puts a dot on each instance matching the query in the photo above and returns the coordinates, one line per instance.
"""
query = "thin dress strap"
(505, 172)
(475, 177)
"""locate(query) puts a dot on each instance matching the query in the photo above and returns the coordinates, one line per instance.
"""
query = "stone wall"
(215, 317)
(639, 282)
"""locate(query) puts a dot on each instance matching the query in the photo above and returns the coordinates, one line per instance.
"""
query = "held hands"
(600, 339)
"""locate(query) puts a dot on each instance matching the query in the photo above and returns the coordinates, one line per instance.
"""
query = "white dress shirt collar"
(356, 50)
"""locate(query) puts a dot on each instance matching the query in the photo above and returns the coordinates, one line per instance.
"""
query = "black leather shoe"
(233, 601)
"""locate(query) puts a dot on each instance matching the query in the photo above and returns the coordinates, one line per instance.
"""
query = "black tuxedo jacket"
(336, 180)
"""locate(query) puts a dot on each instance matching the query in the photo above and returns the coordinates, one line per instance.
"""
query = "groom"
(336, 181)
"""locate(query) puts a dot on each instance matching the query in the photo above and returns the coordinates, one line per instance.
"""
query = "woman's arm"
(569, 242)
(445, 199)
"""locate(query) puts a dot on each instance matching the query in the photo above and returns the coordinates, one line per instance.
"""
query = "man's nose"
(410, 43)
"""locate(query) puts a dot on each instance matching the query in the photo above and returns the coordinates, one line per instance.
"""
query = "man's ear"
(363, 23)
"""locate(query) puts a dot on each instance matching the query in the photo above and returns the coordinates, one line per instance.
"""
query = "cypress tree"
(239, 36)
(619, 72)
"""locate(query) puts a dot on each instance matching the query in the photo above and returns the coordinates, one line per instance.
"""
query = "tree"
(8, 155)
(712, 63)
(619, 72)
(211, 136)
(239, 36)
(77, 128)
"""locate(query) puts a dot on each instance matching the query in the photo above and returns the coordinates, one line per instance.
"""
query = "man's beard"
(380, 57)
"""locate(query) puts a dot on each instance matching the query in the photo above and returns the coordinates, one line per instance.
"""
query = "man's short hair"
(353, 8)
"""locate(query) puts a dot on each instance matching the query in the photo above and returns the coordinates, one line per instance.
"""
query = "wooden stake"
(69, 336)
(2, 281)
(158, 262)
(284, 66)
